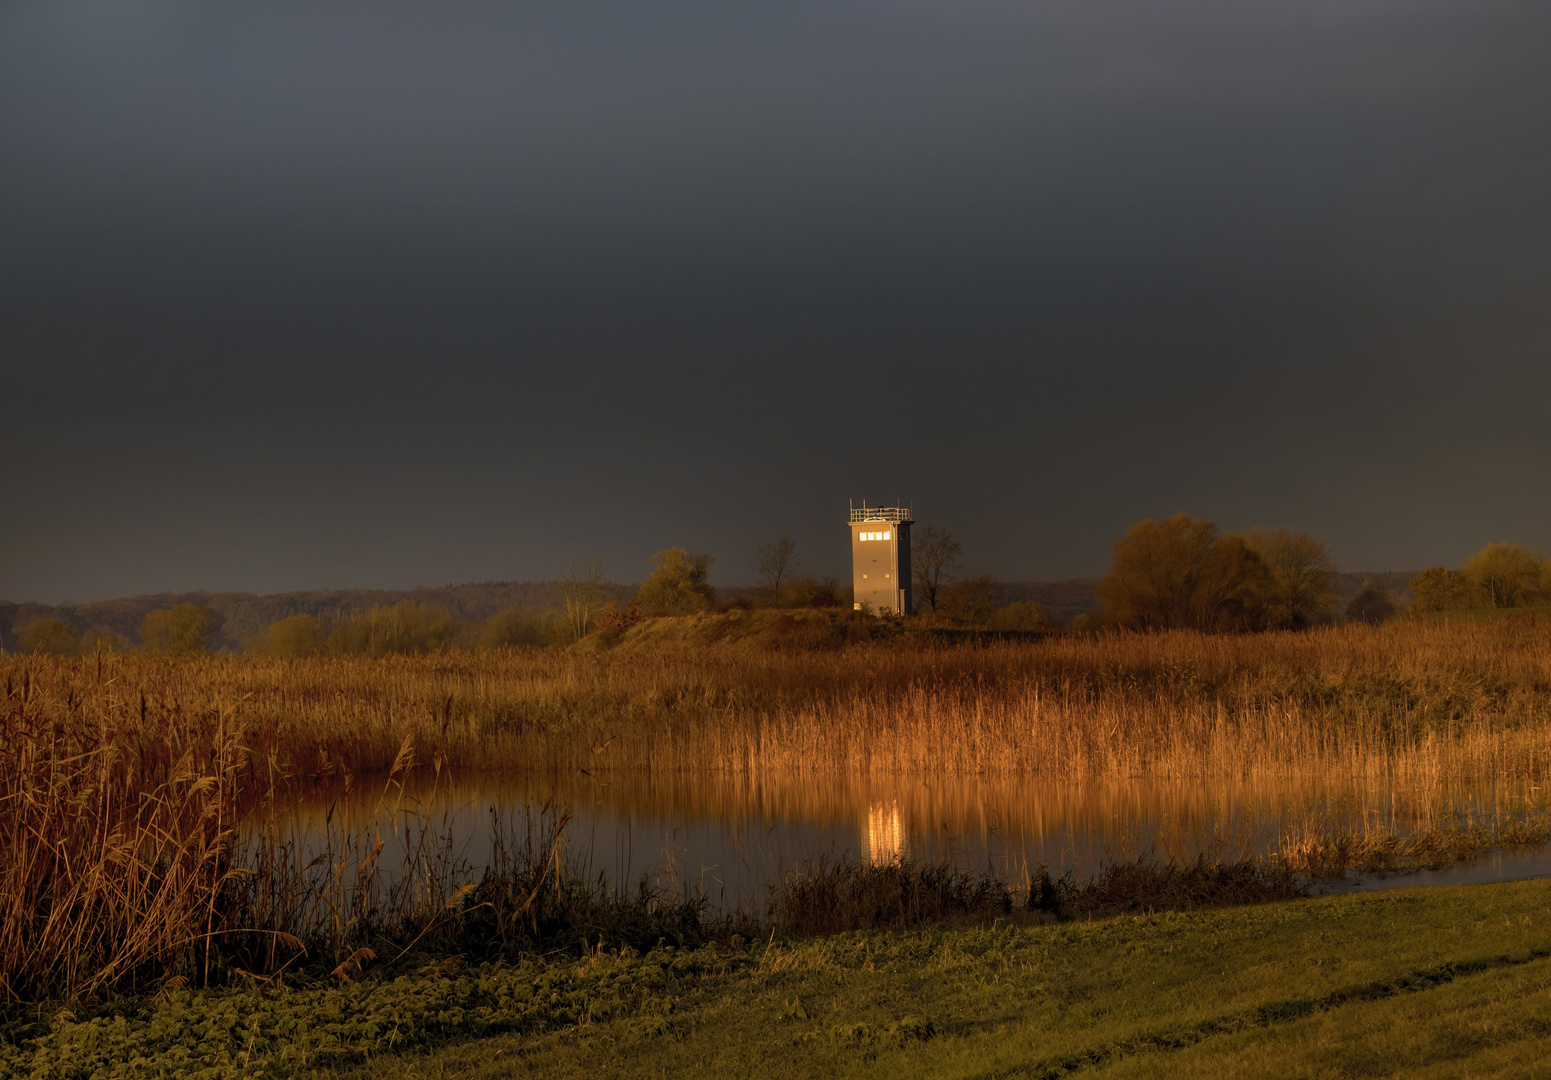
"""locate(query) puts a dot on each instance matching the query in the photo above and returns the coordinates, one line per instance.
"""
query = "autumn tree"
(678, 586)
(1510, 575)
(179, 630)
(1183, 572)
(1302, 582)
(934, 556)
(292, 639)
(775, 564)
(47, 636)
(1441, 589)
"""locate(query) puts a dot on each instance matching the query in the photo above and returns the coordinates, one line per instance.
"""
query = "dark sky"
(383, 294)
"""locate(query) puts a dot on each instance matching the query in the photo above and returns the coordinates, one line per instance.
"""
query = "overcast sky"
(383, 294)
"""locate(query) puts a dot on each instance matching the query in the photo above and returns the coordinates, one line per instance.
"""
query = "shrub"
(678, 585)
(1371, 605)
(1181, 572)
(514, 627)
(969, 601)
(1510, 575)
(47, 636)
(1302, 576)
(179, 630)
(1441, 589)
(1020, 615)
(406, 627)
(292, 639)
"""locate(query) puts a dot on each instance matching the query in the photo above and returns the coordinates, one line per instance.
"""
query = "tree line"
(1173, 573)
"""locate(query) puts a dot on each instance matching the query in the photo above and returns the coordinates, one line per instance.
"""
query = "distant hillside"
(243, 615)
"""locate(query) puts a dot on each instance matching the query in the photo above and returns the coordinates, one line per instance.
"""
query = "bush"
(1182, 572)
(1441, 589)
(47, 636)
(969, 601)
(179, 630)
(1510, 575)
(514, 627)
(97, 639)
(678, 586)
(1020, 615)
(1302, 577)
(406, 627)
(1371, 606)
(292, 639)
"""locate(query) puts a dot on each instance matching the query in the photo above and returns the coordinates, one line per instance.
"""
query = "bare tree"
(580, 594)
(775, 563)
(934, 555)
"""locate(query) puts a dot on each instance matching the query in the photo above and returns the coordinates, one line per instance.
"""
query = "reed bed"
(1423, 701)
(132, 787)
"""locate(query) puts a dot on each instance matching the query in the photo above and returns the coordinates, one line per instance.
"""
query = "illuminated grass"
(1453, 979)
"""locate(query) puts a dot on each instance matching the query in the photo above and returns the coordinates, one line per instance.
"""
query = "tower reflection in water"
(886, 839)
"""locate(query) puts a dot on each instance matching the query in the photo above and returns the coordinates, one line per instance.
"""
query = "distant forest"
(244, 616)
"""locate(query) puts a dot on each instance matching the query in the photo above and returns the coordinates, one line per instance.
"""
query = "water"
(730, 835)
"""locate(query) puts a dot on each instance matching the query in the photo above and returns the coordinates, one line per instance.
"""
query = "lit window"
(866, 536)
(885, 536)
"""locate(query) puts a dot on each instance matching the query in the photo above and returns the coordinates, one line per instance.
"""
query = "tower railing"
(880, 513)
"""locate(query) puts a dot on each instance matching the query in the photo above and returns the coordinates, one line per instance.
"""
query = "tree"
(1302, 587)
(580, 596)
(934, 555)
(179, 630)
(1020, 615)
(47, 636)
(970, 600)
(775, 563)
(1371, 606)
(1510, 574)
(1181, 572)
(1440, 589)
(511, 627)
(292, 639)
(678, 585)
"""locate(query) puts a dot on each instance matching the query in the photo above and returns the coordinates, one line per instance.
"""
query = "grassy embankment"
(1442, 982)
(125, 780)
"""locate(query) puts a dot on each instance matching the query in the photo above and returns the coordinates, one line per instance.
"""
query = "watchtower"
(880, 558)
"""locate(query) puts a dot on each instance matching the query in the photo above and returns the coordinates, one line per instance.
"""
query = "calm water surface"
(730, 835)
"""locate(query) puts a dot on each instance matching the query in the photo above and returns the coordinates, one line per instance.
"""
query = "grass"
(1451, 981)
(127, 781)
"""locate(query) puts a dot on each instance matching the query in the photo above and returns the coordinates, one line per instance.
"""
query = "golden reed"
(1451, 701)
(122, 777)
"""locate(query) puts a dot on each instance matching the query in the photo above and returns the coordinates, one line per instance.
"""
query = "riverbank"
(1421, 982)
(173, 775)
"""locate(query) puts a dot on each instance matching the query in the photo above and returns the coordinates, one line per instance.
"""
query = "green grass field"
(1441, 982)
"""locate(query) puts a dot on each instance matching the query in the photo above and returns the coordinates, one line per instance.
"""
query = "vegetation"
(1499, 576)
(180, 630)
(678, 586)
(48, 636)
(1185, 573)
(1371, 606)
(1413, 982)
(934, 555)
(775, 564)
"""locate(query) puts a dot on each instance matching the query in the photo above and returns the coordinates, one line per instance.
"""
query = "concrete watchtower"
(880, 558)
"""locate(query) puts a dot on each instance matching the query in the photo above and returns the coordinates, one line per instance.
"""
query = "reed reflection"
(729, 834)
